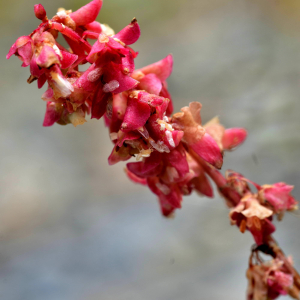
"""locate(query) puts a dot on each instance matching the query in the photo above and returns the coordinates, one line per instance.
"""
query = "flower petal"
(22, 41)
(68, 59)
(53, 113)
(208, 149)
(130, 34)
(150, 83)
(136, 115)
(94, 27)
(47, 57)
(114, 73)
(99, 103)
(177, 159)
(202, 185)
(151, 166)
(119, 154)
(88, 13)
(233, 137)
(162, 69)
(134, 178)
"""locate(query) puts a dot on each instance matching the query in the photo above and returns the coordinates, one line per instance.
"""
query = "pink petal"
(177, 159)
(174, 198)
(89, 80)
(150, 83)
(106, 43)
(151, 166)
(162, 109)
(177, 135)
(165, 93)
(23, 49)
(99, 103)
(77, 48)
(278, 195)
(136, 115)
(202, 185)
(128, 63)
(20, 42)
(119, 154)
(90, 35)
(233, 137)
(26, 53)
(108, 56)
(130, 34)
(208, 149)
(48, 95)
(34, 68)
(125, 82)
(162, 69)
(166, 209)
(94, 27)
(53, 113)
(115, 45)
(68, 59)
(108, 122)
(151, 99)
(119, 106)
(70, 33)
(47, 57)
(95, 51)
(12, 50)
(88, 13)
(168, 203)
(280, 282)
(135, 178)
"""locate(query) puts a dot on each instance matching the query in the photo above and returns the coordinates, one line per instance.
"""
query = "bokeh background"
(73, 228)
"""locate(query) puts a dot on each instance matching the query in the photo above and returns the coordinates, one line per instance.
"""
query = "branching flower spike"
(176, 154)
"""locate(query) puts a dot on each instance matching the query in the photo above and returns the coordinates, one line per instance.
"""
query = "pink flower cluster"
(254, 211)
(71, 93)
(175, 154)
(135, 104)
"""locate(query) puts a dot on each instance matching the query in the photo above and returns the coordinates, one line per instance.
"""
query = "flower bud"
(40, 11)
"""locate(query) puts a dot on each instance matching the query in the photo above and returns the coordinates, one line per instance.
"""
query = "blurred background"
(71, 227)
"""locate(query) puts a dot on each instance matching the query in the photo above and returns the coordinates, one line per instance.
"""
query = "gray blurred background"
(73, 228)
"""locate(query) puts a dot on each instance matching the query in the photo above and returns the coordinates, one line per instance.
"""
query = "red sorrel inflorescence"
(175, 154)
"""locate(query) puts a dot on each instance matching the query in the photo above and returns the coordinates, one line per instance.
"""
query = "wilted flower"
(250, 214)
(268, 280)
